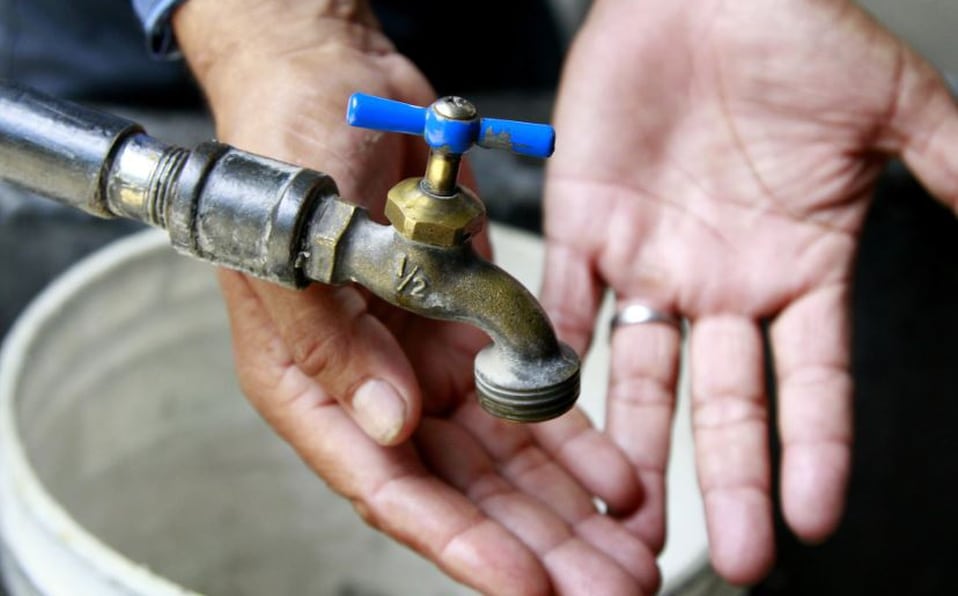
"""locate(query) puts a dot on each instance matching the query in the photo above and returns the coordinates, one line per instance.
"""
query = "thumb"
(330, 337)
(924, 128)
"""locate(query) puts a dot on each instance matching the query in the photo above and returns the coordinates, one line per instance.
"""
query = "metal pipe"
(219, 204)
(287, 224)
(59, 149)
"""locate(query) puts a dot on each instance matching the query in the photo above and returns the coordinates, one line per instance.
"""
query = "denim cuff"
(155, 16)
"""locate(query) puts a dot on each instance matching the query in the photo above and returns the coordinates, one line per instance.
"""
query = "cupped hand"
(380, 402)
(716, 159)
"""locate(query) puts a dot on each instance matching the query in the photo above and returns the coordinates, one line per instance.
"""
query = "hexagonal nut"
(440, 221)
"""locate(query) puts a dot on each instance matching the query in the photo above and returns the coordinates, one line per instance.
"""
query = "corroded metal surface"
(526, 374)
(287, 224)
(440, 221)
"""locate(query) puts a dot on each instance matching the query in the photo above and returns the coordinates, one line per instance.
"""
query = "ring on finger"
(636, 313)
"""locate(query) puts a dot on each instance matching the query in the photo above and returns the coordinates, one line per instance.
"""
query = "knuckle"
(317, 352)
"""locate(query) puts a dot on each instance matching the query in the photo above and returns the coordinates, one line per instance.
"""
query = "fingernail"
(379, 410)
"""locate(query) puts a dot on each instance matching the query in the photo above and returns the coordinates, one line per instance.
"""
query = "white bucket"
(131, 464)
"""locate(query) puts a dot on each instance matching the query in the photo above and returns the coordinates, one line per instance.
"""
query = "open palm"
(716, 160)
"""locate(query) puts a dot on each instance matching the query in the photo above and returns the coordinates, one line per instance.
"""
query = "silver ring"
(637, 314)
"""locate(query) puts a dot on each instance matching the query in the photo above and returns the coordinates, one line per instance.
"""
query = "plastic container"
(130, 463)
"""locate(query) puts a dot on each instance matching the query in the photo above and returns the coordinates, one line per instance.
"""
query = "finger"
(641, 403)
(729, 420)
(570, 294)
(529, 467)
(565, 461)
(513, 451)
(578, 447)
(332, 339)
(388, 486)
(574, 565)
(810, 343)
(924, 128)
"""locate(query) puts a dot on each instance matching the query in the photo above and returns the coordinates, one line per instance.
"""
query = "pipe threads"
(528, 405)
(163, 183)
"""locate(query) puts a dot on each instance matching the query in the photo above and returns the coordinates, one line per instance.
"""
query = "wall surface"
(931, 26)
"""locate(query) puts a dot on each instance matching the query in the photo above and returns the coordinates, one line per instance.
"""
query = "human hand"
(376, 400)
(726, 153)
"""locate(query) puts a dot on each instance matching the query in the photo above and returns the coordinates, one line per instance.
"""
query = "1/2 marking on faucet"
(413, 279)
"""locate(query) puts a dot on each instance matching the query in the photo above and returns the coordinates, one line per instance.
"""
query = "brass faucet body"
(288, 225)
(525, 375)
(422, 216)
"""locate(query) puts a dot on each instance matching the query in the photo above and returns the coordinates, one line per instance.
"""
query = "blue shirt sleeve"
(155, 16)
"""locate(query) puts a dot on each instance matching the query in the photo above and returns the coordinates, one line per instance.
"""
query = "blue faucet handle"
(450, 124)
(379, 113)
(524, 138)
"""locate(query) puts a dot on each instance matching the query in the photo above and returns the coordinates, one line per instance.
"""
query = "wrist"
(218, 35)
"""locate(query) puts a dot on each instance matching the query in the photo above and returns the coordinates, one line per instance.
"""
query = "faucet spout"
(288, 225)
(426, 263)
(525, 375)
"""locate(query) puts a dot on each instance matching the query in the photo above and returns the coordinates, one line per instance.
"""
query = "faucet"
(288, 224)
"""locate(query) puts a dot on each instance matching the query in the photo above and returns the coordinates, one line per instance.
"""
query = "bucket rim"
(20, 482)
